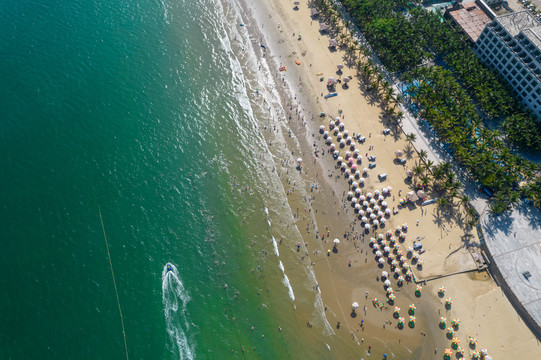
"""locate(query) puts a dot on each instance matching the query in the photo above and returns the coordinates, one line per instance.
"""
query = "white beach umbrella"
(350, 194)
(354, 184)
(362, 198)
(376, 193)
(376, 223)
(358, 207)
(376, 208)
(368, 210)
(364, 219)
(346, 173)
(389, 188)
(346, 79)
(398, 153)
(336, 241)
(354, 200)
(343, 166)
(346, 133)
(299, 160)
(372, 216)
(340, 66)
(379, 254)
(381, 198)
(383, 221)
(358, 194)
(380, 213)
(355, 305)
(372, 201)
(340, 159)
(388, 211)
(369, 195)
(332, 123)
(361, 180)
(348, 154)
(381, 261)
(367, 226)
(384, 203)
(325, 134)
(339, 136)
(387, 283)
(386, 249)
(361, 212)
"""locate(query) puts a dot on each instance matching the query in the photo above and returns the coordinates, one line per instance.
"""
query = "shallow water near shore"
(142, 110)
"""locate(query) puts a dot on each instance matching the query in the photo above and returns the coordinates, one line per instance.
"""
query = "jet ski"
(169, 267)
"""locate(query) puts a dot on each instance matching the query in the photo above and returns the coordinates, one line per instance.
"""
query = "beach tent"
(314, 12)
(412, 196)
(421, 194)
(323, 27)
(333, 43)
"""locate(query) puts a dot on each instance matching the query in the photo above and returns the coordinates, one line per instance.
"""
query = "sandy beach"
(350, 273)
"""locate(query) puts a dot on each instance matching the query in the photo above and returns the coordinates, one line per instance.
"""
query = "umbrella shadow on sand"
(353, 314)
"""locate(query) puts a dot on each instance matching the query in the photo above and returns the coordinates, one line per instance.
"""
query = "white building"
(511, 45)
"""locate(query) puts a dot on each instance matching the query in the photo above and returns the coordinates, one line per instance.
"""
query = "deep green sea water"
(140, 109)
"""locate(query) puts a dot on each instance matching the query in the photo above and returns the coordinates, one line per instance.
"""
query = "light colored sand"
(483, 310)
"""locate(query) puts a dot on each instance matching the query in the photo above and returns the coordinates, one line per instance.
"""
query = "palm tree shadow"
(408, 151)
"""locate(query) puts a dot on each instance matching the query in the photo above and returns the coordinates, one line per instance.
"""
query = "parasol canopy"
(346, 80)
(299, 160)
(355, 305)
(421, 194)
(340, 66)
(398, 153)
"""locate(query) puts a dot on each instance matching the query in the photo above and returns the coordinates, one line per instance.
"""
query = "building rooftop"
(471, 18)
(523, 21)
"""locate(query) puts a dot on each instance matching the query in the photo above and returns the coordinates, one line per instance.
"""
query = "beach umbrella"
(420, 264)
(389, 188)
(369, 195)
(358, 207)
(380, 236)
(331, 124)
(372, 242)
(421, 194)
(411, 309)
(455, 342)
(339, 160)
(325, 134)
(362, 198)
(405, 226)
(411, 323)
(354, 200)
(418, 290)
(448, 303)
(365, 170)
(346, 133)
(483, 352)
(376, 223)
(376, 193)
(398, 153)
(387, 283)
(364, 219)
(455, 323)
(475, 355)
(381, 261)
(346, 173)
(361, 212)
(400, 280)
(387, 211)
(350, 161)
(391, 298)
(401, 237)
(372, 216)
(473, 341)
(380, 214)
(336, 241)
(297, 3)
(341, 126)
(389, 234)
(348, 154)
(367, 226)
(321, 129)
(378, 254)
(443, 322)
(358, 195)
(350, 195)
(441, 290)
(299, 160)
(340, 66)
(342, 143)
(366, 204)
(386, 249)
(372, 201)
(400, 323)
(389, 291)
(346, 79)
(351, 177)
(354, 167)
(384, 274)
(343, 167)
(358, 174)
(447, 355)
(381, 198)
(355, 305)
(356, 152)
(460, 351)
(450, 333)
(383, 221)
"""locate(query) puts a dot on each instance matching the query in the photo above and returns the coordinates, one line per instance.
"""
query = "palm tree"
(411, 137)
(423, 154)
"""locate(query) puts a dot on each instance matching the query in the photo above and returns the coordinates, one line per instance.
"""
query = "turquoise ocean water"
(140, 109)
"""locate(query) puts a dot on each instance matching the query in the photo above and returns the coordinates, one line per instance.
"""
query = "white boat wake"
(175, 298)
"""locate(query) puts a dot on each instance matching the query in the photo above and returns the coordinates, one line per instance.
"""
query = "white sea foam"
(275, 247)
(285, 281)
(175, 298)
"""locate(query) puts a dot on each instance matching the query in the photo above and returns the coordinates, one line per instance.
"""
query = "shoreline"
(279, 10)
